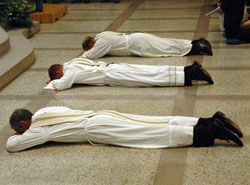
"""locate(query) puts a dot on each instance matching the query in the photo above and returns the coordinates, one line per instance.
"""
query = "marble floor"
(73, 164)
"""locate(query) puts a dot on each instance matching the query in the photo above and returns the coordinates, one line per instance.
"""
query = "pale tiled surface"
(58, 40)
(159, 25)
(93, 14)
(28, 83)
(231, 166)
(52, 166)
(46, 58)
(100, 6)
(85, 164)
(216, 38)
(227, 84)
(170, 4)
(185, 13)
(78, 26)
(227, 57)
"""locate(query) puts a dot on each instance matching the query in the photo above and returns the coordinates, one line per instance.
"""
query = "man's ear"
(59, 74)
(24, 125)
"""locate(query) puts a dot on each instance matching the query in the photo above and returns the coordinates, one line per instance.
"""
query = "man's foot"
(232, 41)
(221, 132)
(228, 123)
(205, 49)
(188, 68)
(205, 42)
(196, 64)
(199, 73)
(204, 46)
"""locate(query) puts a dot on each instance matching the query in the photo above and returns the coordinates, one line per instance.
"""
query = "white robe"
(139, 44)
(106, 129)
(118, 74)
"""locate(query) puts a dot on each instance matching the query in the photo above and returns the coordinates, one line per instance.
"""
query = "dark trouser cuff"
(203, 133)
(188, 77)
(195, 50)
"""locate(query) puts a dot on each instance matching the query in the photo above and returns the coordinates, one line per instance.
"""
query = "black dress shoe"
(228, 123)
(188, 68)
(205, 50)
(199, 73)
(221, 132)
(206, 42)
(196, 64)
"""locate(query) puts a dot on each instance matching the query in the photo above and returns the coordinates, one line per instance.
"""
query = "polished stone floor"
(73, 164)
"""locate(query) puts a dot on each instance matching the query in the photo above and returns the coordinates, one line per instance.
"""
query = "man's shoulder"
(51, 109)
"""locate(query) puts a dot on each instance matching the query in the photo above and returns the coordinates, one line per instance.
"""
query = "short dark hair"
(86, 42)
(52, 71)
(19, 115)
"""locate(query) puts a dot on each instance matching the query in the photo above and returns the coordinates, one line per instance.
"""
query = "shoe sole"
(207, 43)
(229, 124)
(209, 78)
(226, 134)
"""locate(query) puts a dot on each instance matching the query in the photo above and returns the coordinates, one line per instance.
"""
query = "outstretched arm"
(100, 49)
(30, 138)
(65, 82)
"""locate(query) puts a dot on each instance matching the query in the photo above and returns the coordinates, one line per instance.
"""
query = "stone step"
(19, 57)
(4, 41)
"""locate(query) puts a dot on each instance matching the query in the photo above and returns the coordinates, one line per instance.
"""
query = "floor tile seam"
(125, 97)
(131, 19)
(173, 8)
(221, 69)
(37, 69)
(76, 20)
(138, 9)
(232, 47)
(191, 103)
(124, 15)
(165, 18)
(96, 9)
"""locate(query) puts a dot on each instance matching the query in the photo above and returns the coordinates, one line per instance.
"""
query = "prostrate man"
(85, 71)
(141, 44)
(62, 124)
